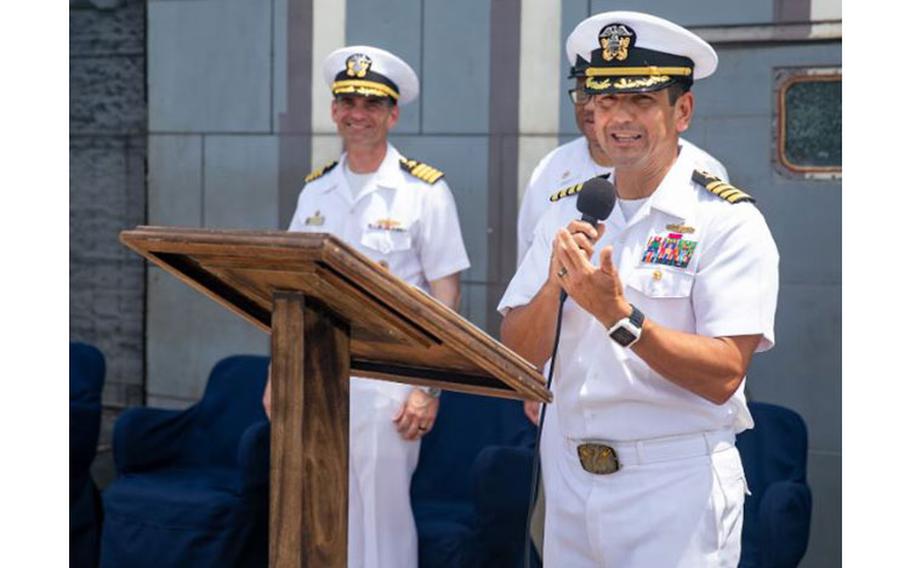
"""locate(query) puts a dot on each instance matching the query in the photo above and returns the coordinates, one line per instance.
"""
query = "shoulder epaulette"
(573, 189)
(721, 188)
(319, 172)
(566, 192)
(421, 171)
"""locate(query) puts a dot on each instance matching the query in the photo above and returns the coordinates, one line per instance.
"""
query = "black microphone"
(595, 202)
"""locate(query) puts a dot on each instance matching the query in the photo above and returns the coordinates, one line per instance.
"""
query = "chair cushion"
(464, 426)
(445, 532)
(181, 498)
(785, 515)
(774, 459)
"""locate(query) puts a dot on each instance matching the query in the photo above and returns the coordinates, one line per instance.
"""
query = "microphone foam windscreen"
(596, 198)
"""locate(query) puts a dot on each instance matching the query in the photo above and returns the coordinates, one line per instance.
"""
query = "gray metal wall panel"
(210, 66)
(573, 12)
(175, 180)
(456, 67)
(736, 107)
(464, 161)
(743, 83)
(706, 12)
(803, 370)
(806, 221)
(741, 143)
(188, 334)
(804, 216)
(280, 61)
(241, 182)
(393, 25)
(825, 536)
(474, 303)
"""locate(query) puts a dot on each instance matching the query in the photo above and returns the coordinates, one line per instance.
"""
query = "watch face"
(623, 336)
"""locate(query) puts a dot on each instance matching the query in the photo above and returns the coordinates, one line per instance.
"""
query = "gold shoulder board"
(566, 192)
(319, 172)
(721, 188)
(421, 171)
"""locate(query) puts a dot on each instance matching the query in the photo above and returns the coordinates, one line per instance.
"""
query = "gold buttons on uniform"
(657, 275)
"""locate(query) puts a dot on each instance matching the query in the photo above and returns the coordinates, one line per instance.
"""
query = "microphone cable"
(535, 466)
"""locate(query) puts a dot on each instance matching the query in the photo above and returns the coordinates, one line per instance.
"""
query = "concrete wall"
(107, 189)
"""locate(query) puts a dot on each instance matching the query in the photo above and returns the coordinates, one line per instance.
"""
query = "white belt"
(653, 450)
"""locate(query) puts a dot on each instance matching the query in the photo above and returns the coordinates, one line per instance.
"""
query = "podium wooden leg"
(308, 515)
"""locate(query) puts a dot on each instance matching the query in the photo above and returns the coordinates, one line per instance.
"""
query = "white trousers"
(381, 529)
(675, 503)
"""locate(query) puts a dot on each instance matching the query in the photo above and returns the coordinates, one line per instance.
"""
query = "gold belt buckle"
(599, 459)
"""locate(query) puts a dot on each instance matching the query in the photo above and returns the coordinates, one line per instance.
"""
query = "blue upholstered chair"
(469, 492)
(86, 381)
(192, 485)
(777, 514)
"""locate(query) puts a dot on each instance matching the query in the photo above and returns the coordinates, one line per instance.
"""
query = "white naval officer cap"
(630, 52)
(370, 72)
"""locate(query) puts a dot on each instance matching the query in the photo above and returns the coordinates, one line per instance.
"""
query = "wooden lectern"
(331, 312)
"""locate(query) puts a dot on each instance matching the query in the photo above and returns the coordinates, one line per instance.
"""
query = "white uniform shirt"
(572, 163)
(397, 218)
(727, 287)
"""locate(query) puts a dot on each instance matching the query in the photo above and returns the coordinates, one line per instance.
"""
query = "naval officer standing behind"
(400, 213)
(668, 301)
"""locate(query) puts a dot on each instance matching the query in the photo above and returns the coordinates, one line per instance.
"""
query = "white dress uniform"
(695, 256)
(412, 226)
(565, 166)
(571, 164)
(723, 283)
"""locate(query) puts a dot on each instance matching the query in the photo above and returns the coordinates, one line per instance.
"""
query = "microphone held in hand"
(595, 202)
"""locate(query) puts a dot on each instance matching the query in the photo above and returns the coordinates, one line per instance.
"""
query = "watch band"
(637, 318)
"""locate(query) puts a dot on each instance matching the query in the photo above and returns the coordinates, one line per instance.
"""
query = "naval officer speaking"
(668, 299)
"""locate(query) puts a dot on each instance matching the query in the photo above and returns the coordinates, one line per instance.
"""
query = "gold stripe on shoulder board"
(421, 171)
(566, 192)
(721, 188)
(319, 172)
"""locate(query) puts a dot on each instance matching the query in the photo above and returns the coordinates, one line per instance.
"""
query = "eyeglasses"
(579, 96)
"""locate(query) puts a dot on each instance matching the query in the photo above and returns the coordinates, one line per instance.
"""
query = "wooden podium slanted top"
(405, 336)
